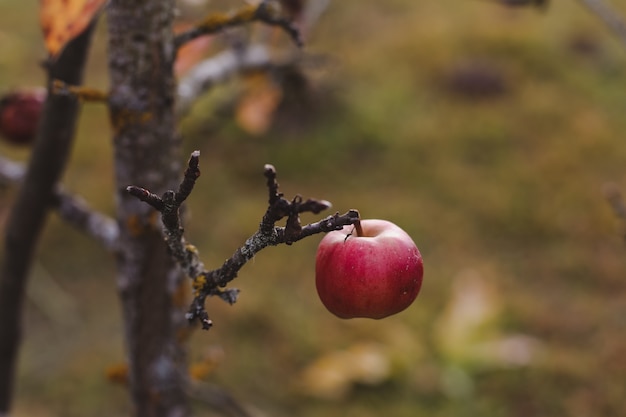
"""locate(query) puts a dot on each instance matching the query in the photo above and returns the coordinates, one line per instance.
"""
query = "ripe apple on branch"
(371, 270)
(374, 273)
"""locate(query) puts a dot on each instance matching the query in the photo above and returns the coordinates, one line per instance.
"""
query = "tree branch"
(27, 218)
(73, 210)
(216, 22)
(211, 283)
(76, 212)
(218, 69)
(214, 70)
(82, 93)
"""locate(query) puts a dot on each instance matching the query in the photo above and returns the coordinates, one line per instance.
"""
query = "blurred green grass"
(508, 186)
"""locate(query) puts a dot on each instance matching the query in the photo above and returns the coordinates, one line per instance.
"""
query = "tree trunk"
(141, 57)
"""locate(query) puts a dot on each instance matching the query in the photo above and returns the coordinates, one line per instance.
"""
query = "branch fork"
(213, 283)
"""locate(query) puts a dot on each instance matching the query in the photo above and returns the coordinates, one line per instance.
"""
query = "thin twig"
(212, 283)
(82, 93)
(169, 207)
(216, 22)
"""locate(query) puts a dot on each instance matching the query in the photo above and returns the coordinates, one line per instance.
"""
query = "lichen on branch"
(265, 12)
(80, 92)
(213, 282)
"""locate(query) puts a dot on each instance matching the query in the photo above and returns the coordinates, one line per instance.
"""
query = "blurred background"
(488, 133)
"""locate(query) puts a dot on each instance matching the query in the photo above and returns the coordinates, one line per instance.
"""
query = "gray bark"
(141, 57)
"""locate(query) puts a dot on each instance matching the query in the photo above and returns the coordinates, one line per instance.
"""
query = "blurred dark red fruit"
(19, 115)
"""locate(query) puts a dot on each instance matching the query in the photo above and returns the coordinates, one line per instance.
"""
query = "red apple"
(374, 273)
(19, 115)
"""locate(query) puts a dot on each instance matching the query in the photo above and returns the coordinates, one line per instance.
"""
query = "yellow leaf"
(332, 375)
(468, 328)
(63, 20)
(472, 309)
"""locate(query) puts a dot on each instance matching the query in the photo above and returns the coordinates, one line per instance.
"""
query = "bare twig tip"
(136, 191)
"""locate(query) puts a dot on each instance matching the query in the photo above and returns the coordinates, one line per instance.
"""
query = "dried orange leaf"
(63, 20)
(255, 111)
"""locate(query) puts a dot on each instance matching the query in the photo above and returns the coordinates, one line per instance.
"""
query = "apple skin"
(373, 276)
(20, 111)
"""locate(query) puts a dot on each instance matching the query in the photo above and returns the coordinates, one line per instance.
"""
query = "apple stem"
(359, 228)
